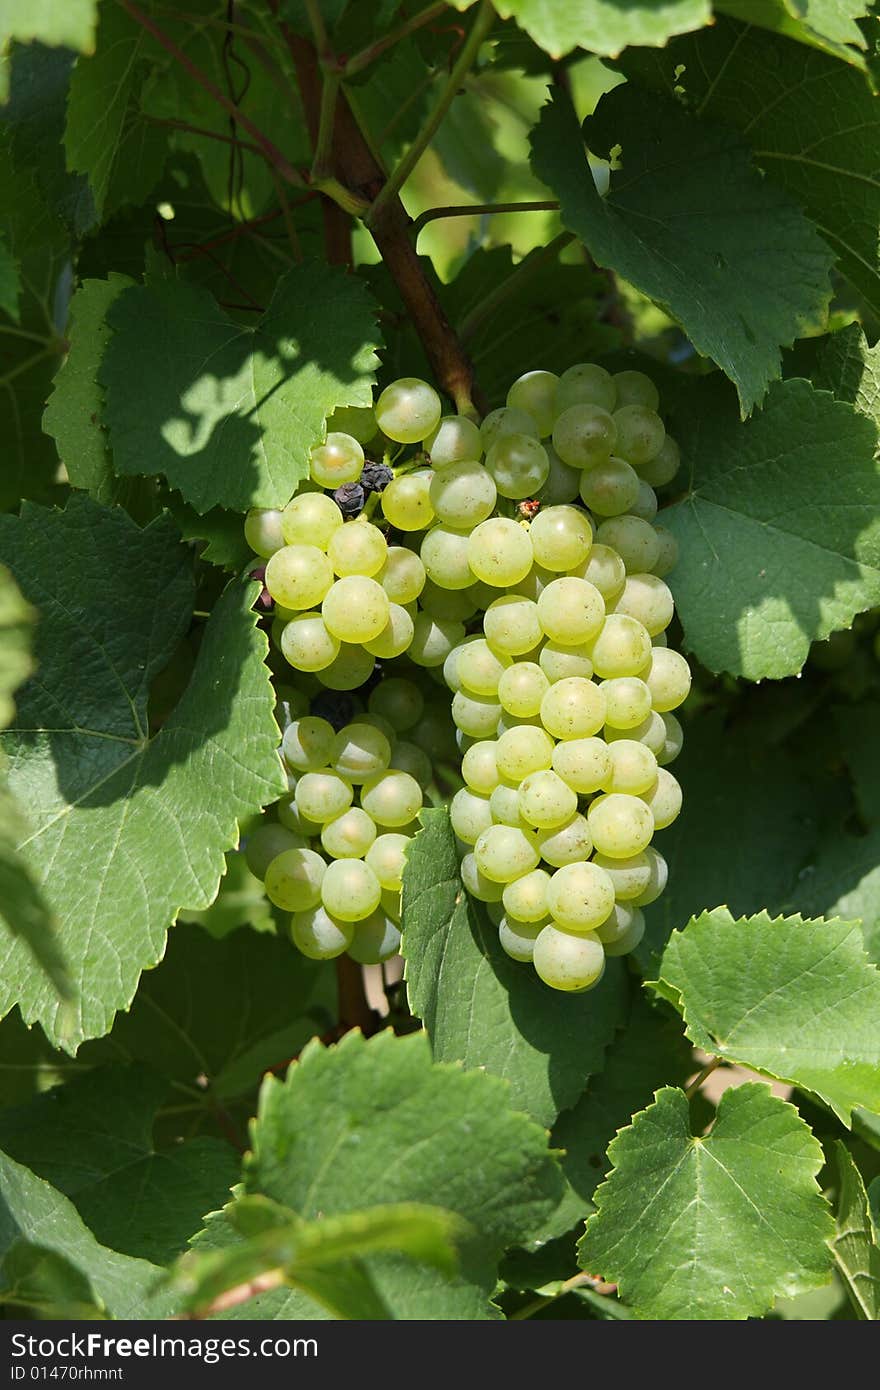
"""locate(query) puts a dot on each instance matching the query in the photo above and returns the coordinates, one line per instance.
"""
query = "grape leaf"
(119, 818)
(691, 224)
(45, 1283)
(745, 987)
(812, 121)
(74, 413)
(229, 413)
(134, 1198)
(605, 26)
(221, 531)
(850, 370)
(779, 531)
(712, 1226)
(855, 1247)
(377, 1121)
(32, 1212)
(10, 283)
(545, 1044)
(71, 25)
(827, 24)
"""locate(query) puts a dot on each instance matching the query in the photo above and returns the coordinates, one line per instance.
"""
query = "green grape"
(523, 750)
(580, 897)
(673, 740)
(376, 939)
(504, 805)
(470, 815)
(262, 530)
(356, 420)
(563, 483)
(406, 501)
(651, 732)
(620, 825)
(568, 962)
(387, 857)
(480, 769)
(571, 610)
(356, 609)
(662, 468)
(307, 743)
(506, 420)
(267, 841)
(433, 639)
(395, 637)
(583, 764)
(352, 667)
(663, 797)
(610, 488)
(399, 701)
(586, 384)
(357, 548)
(667, 559)
(375, 721)
(648, 599)
(668, 677)
(476, 715)
(605, 570)
(324, 795)
(298, 576)
(293, 879)
(408, 757)
(634, 388)
(627, 702)
(338, 460)
(457, 604)
(349, 836)
(568, 844)
(291, 818)
(659, 873)
(390, 904)
(435, 732)
(403, 575)
(645, 505)
(521, 688)
(359, 751)
(316, 935)
(622, 648)
(512, 625)
(519, 465)
(499, 552)
(450, 666)
(507, 721)
(463, 494)
(573, 708)
(306, 644)
(454, 440)
(392, 798)
(479, 668)
(350, 890)
(525, 899)
(561, 538)
(312, 518)
(557, 660)
(640, 434)
(535, 393)
(444, 553)
(477, 884)
(633, 767)
(517, 939)
(634, 540)
(628, 940)
(631, 876)
(408, 410)
(504, 852)
(546, 801)
(584, 435)
(619, 926)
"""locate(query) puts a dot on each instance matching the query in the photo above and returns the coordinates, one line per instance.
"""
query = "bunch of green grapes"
(519, 563)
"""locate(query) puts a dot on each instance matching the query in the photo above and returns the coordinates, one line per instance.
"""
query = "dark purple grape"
(375, 476)
(349, 499)
(338, 707)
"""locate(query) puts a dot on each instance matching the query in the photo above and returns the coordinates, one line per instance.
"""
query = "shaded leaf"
(855, 1245)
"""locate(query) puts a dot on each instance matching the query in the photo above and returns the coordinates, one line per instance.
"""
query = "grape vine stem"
(478, 210)
(700, 1077)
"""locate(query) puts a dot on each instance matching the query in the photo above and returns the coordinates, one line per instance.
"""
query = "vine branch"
(375, 50)
(478, 210)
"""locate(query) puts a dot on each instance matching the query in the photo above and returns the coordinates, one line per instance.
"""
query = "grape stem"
(478, 210)
(368, 55)
(354, 1011)
(576, 1281)
(700, 1077)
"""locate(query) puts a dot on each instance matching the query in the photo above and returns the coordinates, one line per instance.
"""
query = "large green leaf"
(92, 1139)
(812, 121)
(603, 26)
(746, 988)
(370, 1122)
(544, 1044)
(33, 1218)
(693, 225)
(70, 25)
(779, 530)
(827, 24)
(850, 370)
(716, 1226)
(118, 817)
(855, 1246)
(229, 413)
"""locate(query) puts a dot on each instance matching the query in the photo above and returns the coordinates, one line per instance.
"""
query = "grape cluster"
(518, 563)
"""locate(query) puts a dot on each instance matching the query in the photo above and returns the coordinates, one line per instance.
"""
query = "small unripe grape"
(356, 609)
(293, 879)
(408, 410)
(455, 439)
(298, 576)
(357, 548)
(620, 825)
(350, 890)
(318, 936)
(584, 435)
(338, 460)
(567, 961)
(640, 434)
(406, 501)
(561, 538)
(535, 393)
(586, 384)
(634, 388)
(263, 530)
(307, 743)
(506, 420)
(563, 483)
(312, 518)
(476, 715)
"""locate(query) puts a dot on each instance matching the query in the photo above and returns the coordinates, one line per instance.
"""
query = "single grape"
(351, 668)
(634, 388)
(338, 460)
(667, 558)
(395, 637)
(504, 852)
(668, 677)
(475, 715)
(307, 644)
(356, 609)
(479, 767)
(546, 801)
(265, 843)
(663, 797)
(454, 440)
(392, 798)
(627, 702)
(293, 879)
(647, 598)
(521, 687)
(350, 890)
(645, 505)
(386, 856)
(298, 576)
(499, 551)
(573, 708)
(561, 538)
(525, 899)
(620, 926)
(376, 939)
(673, 740)
(629, 939)
(399, 701)
(512, 625)
(517, 939)
(476, 882)
(658, 876)
(504, 805)
(651, 732)
(518, 464)
(535, 393)
(322, 796)
(359, 751)
(604, 569)
(407, 503)
(584, 435)
(633, 768)
(567, 961)
(403, 575)
(470, 815)
(662, 468)
(557, 660)
(622, 648)
(580, 897)
(620, 825)
(463, 494)
(563, 483)
(307, 743)
(630, 877)
(312, 518)
(584, 764)
(609, 489)
(523, 750)
(634, 540)
(571, 610)
(408, 410)
(357, 548)
(586, 384)
(479, 668)
(640, 434)
(445, 556)
(433, 639)
(349, 836)
(567, 844)
(451, 677)
(318, 936)
(263, 532)
(506, 420)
